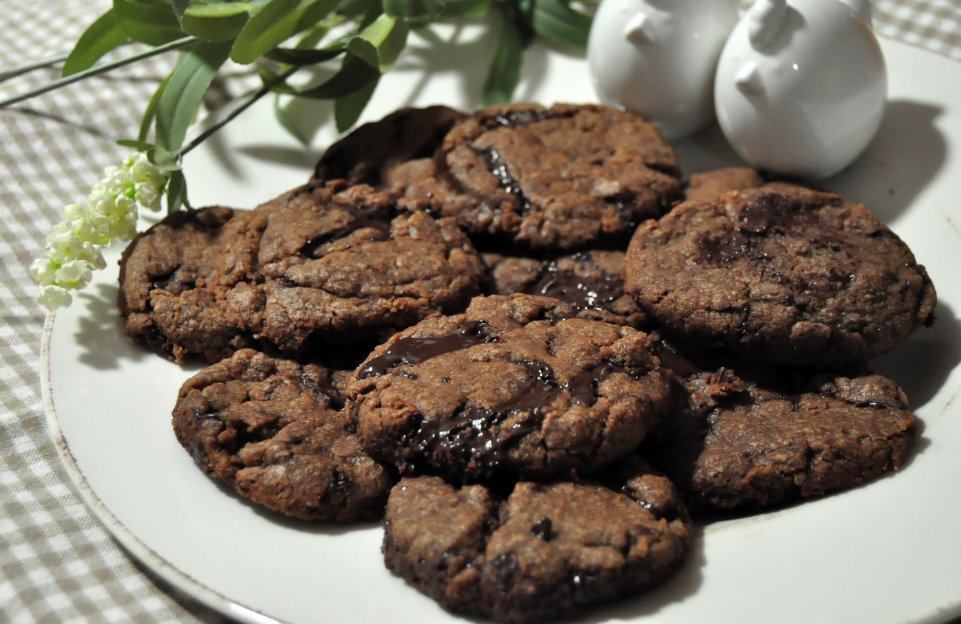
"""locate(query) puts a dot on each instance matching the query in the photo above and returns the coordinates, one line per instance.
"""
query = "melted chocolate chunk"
(572, 288)
(583, 386)
(363, 217)
(417, 350)
(723, 250)
(321, 390)
(677, 363)
(539, 391)
(513, 119)
(500, 170)
(758, 216)
(471, 440)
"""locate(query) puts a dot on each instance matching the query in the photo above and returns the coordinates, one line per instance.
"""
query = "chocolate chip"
(415, 350)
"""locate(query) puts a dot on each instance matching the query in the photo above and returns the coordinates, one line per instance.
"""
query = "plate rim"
(179, 580)
(124, 537)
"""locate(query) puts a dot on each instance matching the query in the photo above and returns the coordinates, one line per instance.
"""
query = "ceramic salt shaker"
(801, 85)
(657, 58)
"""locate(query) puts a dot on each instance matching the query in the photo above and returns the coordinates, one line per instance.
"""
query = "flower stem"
(239, 107)
(100, 69)
(19, 70)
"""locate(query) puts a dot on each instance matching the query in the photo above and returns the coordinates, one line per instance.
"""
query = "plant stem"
(100, 69)
(19, 70)
(238, 108)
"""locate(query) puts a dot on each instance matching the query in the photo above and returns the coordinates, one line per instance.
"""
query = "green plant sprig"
(364, 36)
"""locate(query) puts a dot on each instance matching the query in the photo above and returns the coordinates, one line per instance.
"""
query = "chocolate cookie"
(324, 264)
(751, 437)
(272, 429)
(780, 273)
(588, 279)
(370, 153)
(545, 552)
(518, 386)
(548, 178)
(710, 184)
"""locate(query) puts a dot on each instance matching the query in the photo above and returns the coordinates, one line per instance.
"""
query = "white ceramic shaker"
(801, 85)
(657, 58)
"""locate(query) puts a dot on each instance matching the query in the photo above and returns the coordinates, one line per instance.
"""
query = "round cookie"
(587, 279)
(324, 264)
(545, 552)
(517, 386)
(710, 184)
(272, 430)
(751, 437)
(549, 178)
(782, 274)
(370, 153)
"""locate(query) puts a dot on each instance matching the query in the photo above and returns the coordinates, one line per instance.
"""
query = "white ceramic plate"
(889, 552)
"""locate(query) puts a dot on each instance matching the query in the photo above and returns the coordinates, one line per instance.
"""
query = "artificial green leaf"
(557, 22)
(348, 108)
(272, 78)
(356, 8)
(466, 8)
(179, 6)
(176, 191)
(505, 69)
(274, 23)
(413, 9)
(315, 34)
(149, 21)
(294, 56)
(287, 123)
(354, 75)
(216, 21)
(380, 43)
(151, 111)
(304, 52)
(163, 159)
(140, 146)
(100, 37)
(182, 96)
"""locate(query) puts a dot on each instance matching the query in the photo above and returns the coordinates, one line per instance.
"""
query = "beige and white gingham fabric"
(56, 563)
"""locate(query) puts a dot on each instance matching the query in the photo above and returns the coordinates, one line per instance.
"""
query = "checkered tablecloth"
(56, 563)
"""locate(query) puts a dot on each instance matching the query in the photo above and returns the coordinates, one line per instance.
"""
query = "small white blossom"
(72, 251)
(52, 297)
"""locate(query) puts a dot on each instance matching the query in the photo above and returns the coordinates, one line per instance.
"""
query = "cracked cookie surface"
(752, 437)
(371, 153)
(546, 551)
(780, 273)
(586, 279)
(547, 178)
(323, 264)
(519, 386)
(273, 430)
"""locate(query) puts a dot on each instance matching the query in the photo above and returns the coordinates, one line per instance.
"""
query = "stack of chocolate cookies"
(524, 342)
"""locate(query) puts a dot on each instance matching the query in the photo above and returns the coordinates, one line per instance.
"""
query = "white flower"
(73, 274)
(52, 297)
(42, 271)
(109, 214)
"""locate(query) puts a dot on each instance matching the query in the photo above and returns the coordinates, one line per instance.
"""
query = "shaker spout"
(765, 18)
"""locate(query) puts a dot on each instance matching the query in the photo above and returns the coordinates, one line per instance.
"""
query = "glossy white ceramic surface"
(863, 9)
(657, 58)
(887, 553)
(801, 87)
